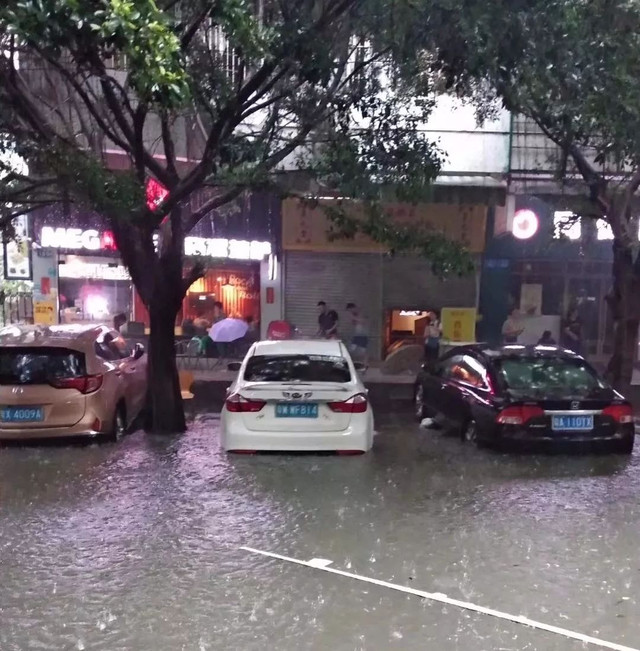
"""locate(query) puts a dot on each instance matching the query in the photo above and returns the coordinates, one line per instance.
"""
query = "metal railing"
(16, 308)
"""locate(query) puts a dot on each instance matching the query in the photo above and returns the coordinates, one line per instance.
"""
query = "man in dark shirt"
(327, 322)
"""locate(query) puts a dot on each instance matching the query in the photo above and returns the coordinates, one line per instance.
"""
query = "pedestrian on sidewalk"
(360, 337)
(327, 322)
(512, 328)
(432, 334)
(572, 332)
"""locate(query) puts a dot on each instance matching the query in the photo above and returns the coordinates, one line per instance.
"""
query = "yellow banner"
(307, 229)
(459, 324)
(44, 312)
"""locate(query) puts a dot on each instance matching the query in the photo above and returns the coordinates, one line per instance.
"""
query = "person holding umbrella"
(227, 331)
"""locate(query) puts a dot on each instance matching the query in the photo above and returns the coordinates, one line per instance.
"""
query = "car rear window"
(539, 376)
(39, 365)
(297, 368)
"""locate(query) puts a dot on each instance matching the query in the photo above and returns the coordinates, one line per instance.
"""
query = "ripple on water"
(135, 545)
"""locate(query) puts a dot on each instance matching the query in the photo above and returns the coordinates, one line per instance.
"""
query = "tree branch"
(168, 145)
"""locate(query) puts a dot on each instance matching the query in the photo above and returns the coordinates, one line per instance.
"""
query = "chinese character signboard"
(459, 324)
(44, 312)
(45, 286)
(307, 228)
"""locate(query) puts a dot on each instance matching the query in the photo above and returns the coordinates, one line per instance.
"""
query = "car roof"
(514, 350)
(329, 348)
(76, 336)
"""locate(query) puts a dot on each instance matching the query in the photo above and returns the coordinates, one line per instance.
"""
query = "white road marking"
(442, 598)
(320, 563)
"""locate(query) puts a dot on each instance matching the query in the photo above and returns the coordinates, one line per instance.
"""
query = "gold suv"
(69, 380)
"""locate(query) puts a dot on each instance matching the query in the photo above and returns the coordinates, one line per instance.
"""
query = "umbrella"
(228, 330)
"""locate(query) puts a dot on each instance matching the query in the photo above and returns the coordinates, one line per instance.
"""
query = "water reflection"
(136, 545)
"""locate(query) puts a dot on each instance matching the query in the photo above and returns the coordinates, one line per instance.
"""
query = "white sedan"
(297, 395)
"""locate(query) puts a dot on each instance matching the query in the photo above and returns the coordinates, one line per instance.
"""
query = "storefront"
(545, 264)
(239, 248)
(386, 287)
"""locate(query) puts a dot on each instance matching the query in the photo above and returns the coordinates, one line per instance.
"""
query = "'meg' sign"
(93, 240)
(76, 238)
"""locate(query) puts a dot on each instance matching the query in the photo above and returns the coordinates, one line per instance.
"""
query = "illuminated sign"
(604, 231)
(94, 240)
(566, 224)
(76, 238)
(223, 248)
(80, 269)
(156, 193)
(525, 224)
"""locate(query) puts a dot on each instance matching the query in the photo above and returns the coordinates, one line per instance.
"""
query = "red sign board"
(156, 193)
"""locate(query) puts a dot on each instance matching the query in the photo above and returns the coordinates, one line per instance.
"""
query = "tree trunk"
(624, 303)
(158, 277)
(165, 401)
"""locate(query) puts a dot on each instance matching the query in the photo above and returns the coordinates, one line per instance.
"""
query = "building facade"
(239, 247)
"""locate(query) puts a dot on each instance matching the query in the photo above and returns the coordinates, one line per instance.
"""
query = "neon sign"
(223, 248)
(525, 224)
(76, 238)
(94, 240)
(156, 193)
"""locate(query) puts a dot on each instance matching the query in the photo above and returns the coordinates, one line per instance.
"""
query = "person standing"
(119, 321)
(572, 332)
(360, 336)
(327, 322)
(218, 312)
(432, 334)
(512, 327)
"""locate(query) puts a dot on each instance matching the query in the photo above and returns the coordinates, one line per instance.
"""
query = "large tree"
(256, 84)
(572, 67)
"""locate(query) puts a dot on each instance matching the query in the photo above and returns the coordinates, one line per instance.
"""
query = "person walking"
(360, 336)
(327, 322)
(432, 334)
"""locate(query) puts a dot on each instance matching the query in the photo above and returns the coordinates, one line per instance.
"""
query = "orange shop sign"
(305, 228)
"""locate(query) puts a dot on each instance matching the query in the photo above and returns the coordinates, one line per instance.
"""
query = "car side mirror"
(138, 351)
(234, 366)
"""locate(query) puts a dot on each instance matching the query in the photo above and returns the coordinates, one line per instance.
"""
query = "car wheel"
(119, 428)
(418, 401)
(626, 446)
(469, 433)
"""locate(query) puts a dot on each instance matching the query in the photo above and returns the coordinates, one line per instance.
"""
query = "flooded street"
(136, 546)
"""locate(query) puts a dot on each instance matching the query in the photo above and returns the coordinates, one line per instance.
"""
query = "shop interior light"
(96, 306)
(525, 224)
(273, 266)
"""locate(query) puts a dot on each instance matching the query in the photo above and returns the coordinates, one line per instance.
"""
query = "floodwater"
(136, 546)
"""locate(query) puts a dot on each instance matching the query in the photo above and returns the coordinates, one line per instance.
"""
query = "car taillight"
(355, 405)
(85, 383)
(238, 404)
(519, 415)
(622, 414)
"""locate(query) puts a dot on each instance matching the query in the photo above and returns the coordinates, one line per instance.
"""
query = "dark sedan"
(525, 394)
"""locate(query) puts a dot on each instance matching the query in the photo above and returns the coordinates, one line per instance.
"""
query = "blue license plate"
(21, 414)
(572, 423)
(296, 410)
